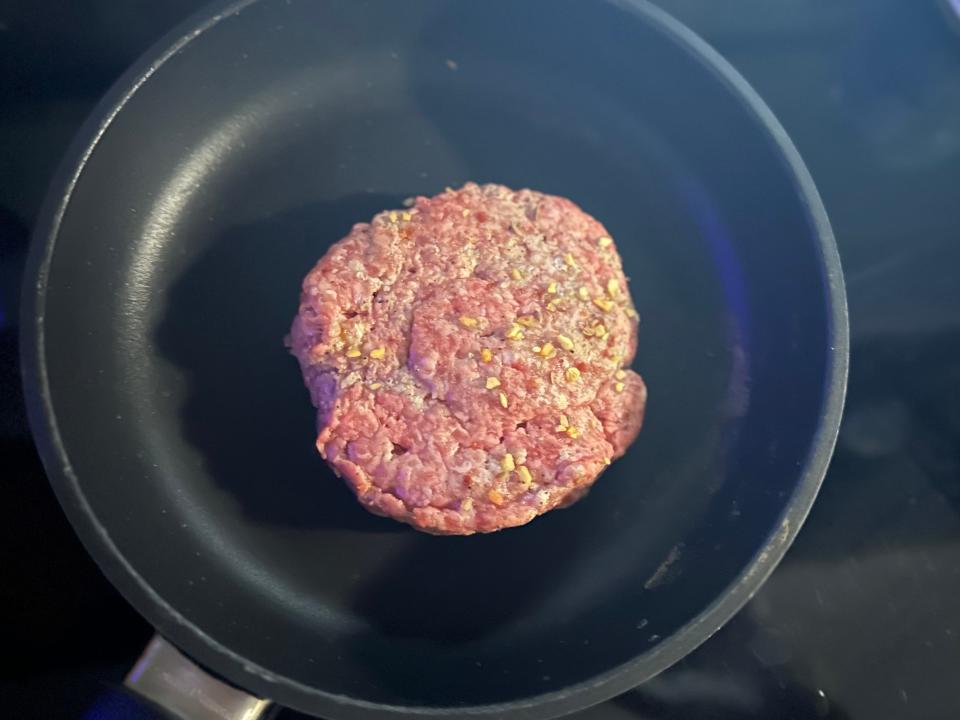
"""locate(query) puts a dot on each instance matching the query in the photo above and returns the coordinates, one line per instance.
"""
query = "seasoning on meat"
(428, 404)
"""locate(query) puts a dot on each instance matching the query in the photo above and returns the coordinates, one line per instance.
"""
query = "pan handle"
(165, 677)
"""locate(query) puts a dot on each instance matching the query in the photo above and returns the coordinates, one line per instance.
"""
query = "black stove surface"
(862, 619)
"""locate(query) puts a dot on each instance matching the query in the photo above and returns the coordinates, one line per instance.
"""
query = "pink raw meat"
(466, 358)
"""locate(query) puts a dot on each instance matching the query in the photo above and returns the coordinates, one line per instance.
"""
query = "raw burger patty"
(464, 356)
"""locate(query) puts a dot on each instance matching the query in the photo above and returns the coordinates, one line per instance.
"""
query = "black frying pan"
(178, 435)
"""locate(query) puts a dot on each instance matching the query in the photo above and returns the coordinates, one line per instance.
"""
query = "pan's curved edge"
(238, 669)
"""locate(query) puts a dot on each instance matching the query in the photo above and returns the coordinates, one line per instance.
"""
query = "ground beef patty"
(465, 357)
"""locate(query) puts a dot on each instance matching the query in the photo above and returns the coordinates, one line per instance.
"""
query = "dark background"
(862, 619)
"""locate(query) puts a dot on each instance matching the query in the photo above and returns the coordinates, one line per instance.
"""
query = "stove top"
(861, 620)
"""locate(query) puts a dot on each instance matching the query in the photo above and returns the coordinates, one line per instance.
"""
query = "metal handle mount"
(164, 676)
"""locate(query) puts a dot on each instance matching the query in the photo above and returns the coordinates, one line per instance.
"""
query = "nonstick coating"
(178, 434)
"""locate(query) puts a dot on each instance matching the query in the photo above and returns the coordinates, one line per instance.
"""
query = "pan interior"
(234, 167)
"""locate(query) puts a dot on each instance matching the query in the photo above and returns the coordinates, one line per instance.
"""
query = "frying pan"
(178, 436)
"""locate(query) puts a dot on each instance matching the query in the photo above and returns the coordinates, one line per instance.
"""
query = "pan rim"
(286, 691)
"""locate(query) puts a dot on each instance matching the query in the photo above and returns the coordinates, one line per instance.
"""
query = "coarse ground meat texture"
(465, 356)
